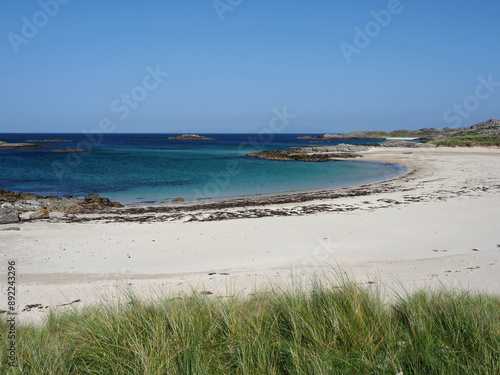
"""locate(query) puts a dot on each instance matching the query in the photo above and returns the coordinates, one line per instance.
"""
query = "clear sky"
(336, 65)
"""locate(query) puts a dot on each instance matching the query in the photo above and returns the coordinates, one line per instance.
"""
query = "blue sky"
(66, 65)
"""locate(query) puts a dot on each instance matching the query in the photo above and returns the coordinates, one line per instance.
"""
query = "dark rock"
(12, 228)
(178, 199)
(91, 197)
(104, 201)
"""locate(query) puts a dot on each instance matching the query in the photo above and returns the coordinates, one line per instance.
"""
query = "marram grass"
(330, 328)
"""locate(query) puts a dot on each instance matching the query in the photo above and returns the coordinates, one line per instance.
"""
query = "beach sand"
(437, 224)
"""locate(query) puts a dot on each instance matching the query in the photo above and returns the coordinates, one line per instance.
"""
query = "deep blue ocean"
(145, 168)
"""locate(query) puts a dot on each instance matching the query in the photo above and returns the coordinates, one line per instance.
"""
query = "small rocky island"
(312, 153)
(192, 137)
(53, 140)
(19, 146)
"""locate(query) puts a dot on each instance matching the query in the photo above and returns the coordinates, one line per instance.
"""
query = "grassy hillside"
(469, 141)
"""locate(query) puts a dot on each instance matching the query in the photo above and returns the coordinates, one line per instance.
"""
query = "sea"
(150, 168)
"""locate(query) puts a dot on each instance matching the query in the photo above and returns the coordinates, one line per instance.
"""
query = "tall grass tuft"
(330, 327)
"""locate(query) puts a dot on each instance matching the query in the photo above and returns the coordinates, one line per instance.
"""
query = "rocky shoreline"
(328, 153)
(16, 207)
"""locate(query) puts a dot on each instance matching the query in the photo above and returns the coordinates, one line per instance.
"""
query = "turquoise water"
(140, 168)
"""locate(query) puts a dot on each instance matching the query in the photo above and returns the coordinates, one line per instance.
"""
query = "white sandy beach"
(440, 225)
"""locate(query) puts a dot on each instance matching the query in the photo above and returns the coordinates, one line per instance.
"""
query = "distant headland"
(485, 128)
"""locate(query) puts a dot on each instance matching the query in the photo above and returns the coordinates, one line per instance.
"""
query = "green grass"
(469, 141)
(331, 328)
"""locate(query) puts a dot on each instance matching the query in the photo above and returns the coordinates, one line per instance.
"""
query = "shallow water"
(145, 168)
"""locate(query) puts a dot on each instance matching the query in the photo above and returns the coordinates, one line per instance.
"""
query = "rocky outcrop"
(342, 147)
(404, 144)
(192, 137)
(19, 146)
(287, 155)
(14, 203)
(178, 200)
(490, 127)
(42, 214)
(352, 135)
(54, 140)
(96, 202)
(312, 153)
(8, 216)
